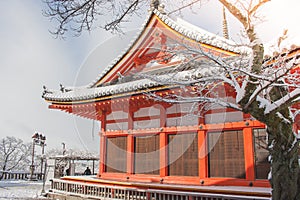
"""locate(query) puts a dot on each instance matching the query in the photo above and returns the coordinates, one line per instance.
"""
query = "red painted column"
(163, 143)
(130, 154)
(201, 119)
(163, 116)
(163, 154)
(102, 118)
(130, 143)
(130, 119)
(202, 154)
(249, 154)
(102, 154)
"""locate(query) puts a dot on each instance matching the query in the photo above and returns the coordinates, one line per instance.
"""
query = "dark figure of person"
(87, 171)
(68, 172)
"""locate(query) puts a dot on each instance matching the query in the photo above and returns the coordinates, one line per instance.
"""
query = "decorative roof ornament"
(225, 26)
(156, 5)
(62, 88)
(46, 91)
(161, 9)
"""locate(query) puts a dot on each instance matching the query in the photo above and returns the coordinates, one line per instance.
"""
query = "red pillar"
(249, 154)
(130, 143)
(102, 154)
(163, 154)
(202, 154)
(130, 154)
(102, 118)
(163, 116)
(130, 119)
(163, 144)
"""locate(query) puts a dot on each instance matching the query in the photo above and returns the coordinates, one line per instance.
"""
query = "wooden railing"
(99, 191)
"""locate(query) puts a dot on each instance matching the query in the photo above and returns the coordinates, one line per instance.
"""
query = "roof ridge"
(198, 34)
(185, 28)
(123, 53)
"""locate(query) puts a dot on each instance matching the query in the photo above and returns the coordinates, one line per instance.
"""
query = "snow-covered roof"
(74, 157)
(78, 94)
(91, 91)
(183, 27)
(198, 34)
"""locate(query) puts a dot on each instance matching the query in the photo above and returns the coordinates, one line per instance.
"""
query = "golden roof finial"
(225, 26)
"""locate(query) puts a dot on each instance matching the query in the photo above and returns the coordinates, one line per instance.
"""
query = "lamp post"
(42, 144)
(44, 177)
(37, 139)
(63, 148)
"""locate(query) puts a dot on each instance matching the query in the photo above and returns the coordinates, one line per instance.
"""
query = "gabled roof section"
(179, 26)
(104, 86)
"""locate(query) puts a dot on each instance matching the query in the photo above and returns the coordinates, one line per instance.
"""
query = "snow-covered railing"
(7, 175)
(99, 191)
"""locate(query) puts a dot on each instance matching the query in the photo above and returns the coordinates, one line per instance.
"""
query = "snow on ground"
(21, 189)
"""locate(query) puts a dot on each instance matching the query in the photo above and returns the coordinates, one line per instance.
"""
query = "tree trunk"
(283, 148)
(284, 157)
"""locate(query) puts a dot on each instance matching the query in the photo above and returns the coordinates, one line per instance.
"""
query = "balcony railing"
(99, 191)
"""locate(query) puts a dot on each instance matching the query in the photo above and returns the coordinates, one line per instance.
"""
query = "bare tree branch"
(184, 6)
(80, 15)
(116, 23)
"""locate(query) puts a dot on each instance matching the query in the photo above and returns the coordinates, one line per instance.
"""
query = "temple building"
(148, 143)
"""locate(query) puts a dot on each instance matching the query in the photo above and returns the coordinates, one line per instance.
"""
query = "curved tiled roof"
(79, 94)
(122, 54)
(91, 91)
(188, 30)
(197, 34)
(127, 88)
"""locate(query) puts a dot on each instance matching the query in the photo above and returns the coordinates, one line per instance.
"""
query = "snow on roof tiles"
(78, 94)
(91, 91)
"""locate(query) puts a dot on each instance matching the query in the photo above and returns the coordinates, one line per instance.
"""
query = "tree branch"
(114, 24)
(235, 12)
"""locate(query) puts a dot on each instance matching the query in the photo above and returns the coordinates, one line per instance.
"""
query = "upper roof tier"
(140, 55)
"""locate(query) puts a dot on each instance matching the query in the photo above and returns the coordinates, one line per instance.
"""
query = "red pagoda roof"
(119, 78)
(103, 86)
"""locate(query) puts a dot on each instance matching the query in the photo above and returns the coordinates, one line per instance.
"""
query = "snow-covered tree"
(65, 158)
(14, 154)
(71, 152)
(267, 88)
(264, 88)
(76, 16)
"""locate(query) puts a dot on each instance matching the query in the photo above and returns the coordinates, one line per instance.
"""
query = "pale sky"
(31, 58)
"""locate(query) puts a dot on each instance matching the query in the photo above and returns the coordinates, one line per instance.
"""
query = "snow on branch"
(283, 118)
(285, 101)
(195, 99)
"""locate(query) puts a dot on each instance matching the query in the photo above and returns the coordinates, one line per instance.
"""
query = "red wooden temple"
(149, 144)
